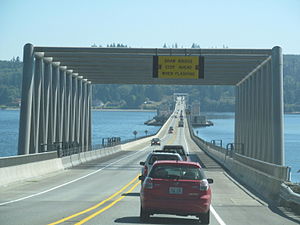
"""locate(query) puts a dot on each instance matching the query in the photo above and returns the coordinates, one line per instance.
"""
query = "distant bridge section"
(56, 92)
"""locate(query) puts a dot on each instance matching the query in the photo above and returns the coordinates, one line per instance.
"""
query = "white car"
(158, 155)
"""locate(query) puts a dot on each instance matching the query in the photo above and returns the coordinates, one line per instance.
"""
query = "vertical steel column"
(47, 90)
(90, 112)
(269, 124)
(55, 102)
(237, 114)
(251, 116)
(264, 105)
(256, 115)
(68, 92)
(78, 111)
(88, 115)
(277, 74)
(83, 114)
(260, 111)
(37, 109)
(26, 100)
(61, 97)
(42, 110)
(70, 106)
(247, 117)
(74, 106)
(242, 116)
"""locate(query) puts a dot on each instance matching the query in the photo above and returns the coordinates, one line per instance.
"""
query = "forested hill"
(212, 98)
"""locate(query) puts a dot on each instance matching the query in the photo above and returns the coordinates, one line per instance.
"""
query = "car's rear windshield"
(180, 151)
(178, 172)
(162, 157)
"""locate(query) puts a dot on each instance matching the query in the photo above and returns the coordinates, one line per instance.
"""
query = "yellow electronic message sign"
(178, 67)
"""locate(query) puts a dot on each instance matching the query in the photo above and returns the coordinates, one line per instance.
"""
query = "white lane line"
(216, 215)
(70, 182)
(186, 145)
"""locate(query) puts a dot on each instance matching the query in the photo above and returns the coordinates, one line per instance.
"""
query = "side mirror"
(142, 178)
(210, 181)
(142, 163)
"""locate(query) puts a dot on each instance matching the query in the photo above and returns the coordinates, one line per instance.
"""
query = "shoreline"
(136, 110)
(125, 110)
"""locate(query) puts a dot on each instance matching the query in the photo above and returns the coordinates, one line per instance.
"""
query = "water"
(105, 124)
(9, 132)
(223, 129)
(123, 123)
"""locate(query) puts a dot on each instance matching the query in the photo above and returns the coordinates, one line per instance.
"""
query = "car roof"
(173, 146)
(164, 153)
(171, 162)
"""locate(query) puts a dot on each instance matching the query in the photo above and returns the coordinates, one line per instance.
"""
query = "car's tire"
(144, 215)
(204, 218)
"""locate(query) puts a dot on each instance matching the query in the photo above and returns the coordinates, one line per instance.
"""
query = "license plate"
(175, 190)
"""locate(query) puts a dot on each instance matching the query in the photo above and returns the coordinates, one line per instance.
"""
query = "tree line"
(211, 98)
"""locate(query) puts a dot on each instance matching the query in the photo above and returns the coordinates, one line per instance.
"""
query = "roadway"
(106, 191)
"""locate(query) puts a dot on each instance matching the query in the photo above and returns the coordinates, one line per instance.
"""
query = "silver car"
(158, 155)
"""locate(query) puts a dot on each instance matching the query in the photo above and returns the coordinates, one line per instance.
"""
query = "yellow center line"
(95, 206)
(107, 207)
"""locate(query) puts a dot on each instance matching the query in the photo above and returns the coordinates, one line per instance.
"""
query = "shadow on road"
(131, 194)
(157, 220)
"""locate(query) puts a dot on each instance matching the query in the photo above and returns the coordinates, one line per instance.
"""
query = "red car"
(178, 188)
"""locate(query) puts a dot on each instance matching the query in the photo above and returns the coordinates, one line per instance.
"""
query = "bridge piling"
(26, 101)
(277, 75)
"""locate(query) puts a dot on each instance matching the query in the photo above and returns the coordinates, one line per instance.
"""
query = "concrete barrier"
(83, 157)
(36, 165)
(26, 171)
(282, 172)
(23, 159)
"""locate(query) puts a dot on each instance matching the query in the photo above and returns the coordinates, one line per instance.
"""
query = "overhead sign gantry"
(56, 90)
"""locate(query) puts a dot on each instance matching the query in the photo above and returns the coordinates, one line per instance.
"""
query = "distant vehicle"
(178, 188)
(155, 141)
(158, 155)
(171, 130)
(178, 149)
(180, 123)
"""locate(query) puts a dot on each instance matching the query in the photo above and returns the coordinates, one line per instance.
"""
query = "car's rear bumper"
(176, 206)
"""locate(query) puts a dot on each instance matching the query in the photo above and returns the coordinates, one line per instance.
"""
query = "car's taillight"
(148, 183)
(145, 170)
(204, 185)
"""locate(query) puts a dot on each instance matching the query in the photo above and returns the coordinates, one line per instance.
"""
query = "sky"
(149, 24)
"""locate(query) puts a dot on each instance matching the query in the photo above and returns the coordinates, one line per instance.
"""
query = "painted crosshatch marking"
(178, 67)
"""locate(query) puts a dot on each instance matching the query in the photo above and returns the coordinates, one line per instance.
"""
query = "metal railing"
(70, 148)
